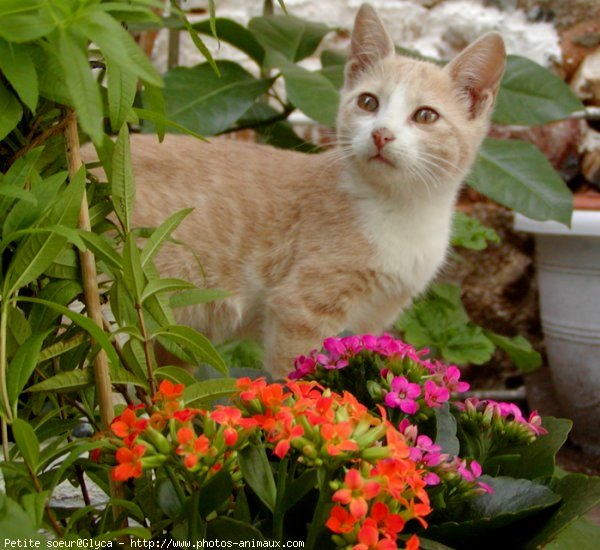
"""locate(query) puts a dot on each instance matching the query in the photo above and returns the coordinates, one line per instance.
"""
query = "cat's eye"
(368, 102)
(425, 115)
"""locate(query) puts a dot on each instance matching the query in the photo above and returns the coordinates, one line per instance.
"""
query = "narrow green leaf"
(228, 529)
(26, 27)
(516, 174)
(121, 93)
(256, 471)
(164, 285)
(18, 193)
(161, 121)
(22, 366)
(117, 45)
(197, 296)
(60, 292)
(122, 181)
(19, 70)
(102, 249)
(35, 253)
(63, 346)
(11, 111)
(155, 101)
(211, 13)
(82, 86)
(161, 234)
(294, 37)
(19, 330)
(531, 95)
(27, 442)
(84, 322)
(196, 343)
(35, 505)
(15, 523)
(299, 488)
(133, 274)
(209, 390)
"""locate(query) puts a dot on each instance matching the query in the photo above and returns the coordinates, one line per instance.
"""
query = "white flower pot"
(568, 271)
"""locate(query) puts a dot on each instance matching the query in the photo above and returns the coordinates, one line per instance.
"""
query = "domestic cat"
(311, 245)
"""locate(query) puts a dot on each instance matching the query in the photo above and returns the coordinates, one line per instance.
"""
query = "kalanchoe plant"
(485, 463)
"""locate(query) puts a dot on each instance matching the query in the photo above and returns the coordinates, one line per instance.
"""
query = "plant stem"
(147, 350)
(91, 293)
(175, 483)
(3, 373)
(318, 520)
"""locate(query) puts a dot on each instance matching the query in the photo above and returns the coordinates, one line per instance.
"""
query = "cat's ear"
(477, 72)
(370, 43)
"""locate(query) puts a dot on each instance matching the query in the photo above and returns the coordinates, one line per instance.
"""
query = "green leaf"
(537, 459)
(35, 253)
(26, 27)
(198, 99)
(161, 234)
(35, 505)
(446, 431)
(197, 296)
(160, 121)
(257, 473)
(121, 93)
(235, 34)
(164, 285)
(175, 374)
(300, 487)
(27, 442)
(215, 492)
(155, 101)
(22, 366)
(102, 249)
(11, 111)
(517, 175)
(471, 233)
(80, 81)
(194, 342)
(84, 322)
(579, 494)
(19, 70)
(227, 529)
(15, 523)
(60, 292)
(531, 95)
(168, 500)
(310, 92)
(133, 274)
(63, 346)
(19, 330)
(118, 46)
(519, 350)
(295, 38)
(122, 182)
(209, 390)
(579, 534)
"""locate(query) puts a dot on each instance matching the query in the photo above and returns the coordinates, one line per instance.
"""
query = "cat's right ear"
(370, 43)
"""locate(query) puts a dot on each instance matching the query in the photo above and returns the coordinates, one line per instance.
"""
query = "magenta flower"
(435, 396)
(402, 395)
(304, 366)
(451, 378)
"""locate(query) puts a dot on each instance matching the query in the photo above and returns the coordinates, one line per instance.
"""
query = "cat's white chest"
(408, 243)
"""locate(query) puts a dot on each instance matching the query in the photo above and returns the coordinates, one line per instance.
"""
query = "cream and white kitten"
(310, 245)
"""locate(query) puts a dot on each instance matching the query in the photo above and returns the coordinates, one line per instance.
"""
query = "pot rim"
(583, 223)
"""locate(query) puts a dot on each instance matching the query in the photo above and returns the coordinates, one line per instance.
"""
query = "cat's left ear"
(370, 43)
(477, 72)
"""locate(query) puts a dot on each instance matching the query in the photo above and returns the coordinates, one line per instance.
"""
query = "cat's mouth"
(380, 158)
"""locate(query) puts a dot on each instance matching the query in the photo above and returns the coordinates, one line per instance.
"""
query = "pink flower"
(451, 378)
(304, 366)
(535, 424)
(435, 395)
(402, 395)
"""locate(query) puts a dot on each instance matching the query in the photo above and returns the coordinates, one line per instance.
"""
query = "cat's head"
(406, 124)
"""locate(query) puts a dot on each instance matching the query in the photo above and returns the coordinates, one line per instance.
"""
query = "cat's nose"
(382, 136)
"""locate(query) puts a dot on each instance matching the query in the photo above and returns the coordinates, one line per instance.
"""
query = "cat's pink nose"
(382, 136)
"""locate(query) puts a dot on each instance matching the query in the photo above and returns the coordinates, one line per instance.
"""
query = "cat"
(311, 245)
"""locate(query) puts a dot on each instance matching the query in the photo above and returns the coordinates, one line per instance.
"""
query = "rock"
(586, 81)
(576, 43)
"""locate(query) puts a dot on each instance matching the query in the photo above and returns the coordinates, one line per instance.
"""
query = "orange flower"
(340, 521)
(128, 426)
(167, 391)
(249, 389)
(231, 417)
(191, 447)
(368, 538)
(130, 464)
(356, 493)
(337, 438)
(413, 543)
(388, 524)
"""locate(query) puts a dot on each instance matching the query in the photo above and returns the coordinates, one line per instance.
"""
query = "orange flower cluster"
(376, 487)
